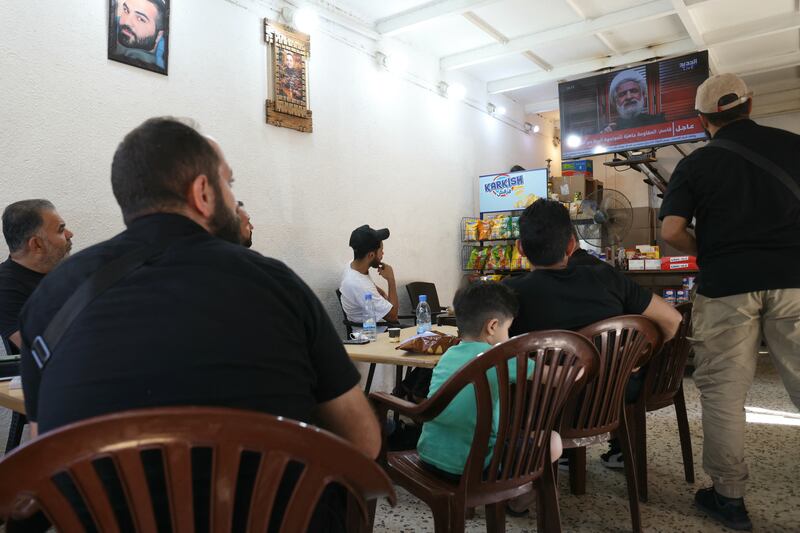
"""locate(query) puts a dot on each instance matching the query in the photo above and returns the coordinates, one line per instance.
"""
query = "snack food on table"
(430, 343)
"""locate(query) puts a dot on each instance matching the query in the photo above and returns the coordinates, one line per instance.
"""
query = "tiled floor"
(773, 497)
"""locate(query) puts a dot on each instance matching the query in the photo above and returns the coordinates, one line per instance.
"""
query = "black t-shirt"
(747, 222)
(206, 323)
(582, 257)
(574, 297)
(17, 283)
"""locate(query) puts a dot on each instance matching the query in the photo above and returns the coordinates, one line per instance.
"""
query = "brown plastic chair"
(34, 476)
(527, 416)
(663, 386)
(624, 343)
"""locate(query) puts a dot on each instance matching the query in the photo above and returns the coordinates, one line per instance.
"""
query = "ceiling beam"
(683, 46)
(689, 24)
(485, 27)
(536, 60)
(406, 20)
(766, 64)
(779, 108)
(638, 14)
(753, 28)
(541, 106)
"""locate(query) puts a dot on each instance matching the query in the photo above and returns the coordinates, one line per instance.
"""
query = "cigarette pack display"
(636, 264)
(652, 264)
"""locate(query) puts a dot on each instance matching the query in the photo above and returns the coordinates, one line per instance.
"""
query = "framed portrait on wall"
(289, 52)
(138, 33)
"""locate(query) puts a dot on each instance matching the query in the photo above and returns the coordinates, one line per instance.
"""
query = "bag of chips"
(500, 228)
(484, 230)
(516, 259)
(429, 343)
(498, 258)
(514, 228)
(471, 229)
(477, 258)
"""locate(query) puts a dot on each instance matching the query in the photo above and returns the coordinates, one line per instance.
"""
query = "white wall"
(384, 151)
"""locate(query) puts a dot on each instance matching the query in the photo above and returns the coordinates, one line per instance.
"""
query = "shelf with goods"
(489, 250)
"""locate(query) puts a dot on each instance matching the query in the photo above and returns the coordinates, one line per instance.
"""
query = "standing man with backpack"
(743, 193)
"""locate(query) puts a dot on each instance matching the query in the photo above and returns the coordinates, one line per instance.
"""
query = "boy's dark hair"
(21, 221)
(155, 164)
(482, 301)
(729, 115)
(544, 232)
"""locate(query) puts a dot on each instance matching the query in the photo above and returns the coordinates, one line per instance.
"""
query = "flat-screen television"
(509, 191)
(634, 108)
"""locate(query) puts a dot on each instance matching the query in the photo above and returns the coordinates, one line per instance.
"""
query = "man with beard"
(38, 240)
(140, 31)
(628, 92)
(202, 321)
(245, 226)
(367, 245)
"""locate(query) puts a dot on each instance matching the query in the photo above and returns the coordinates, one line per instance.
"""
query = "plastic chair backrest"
(665, 370)
(527, 414)
(624, 343)
(114, 464)
(415, 288)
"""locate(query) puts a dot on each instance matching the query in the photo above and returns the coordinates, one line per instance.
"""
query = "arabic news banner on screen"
(509, 191)
(630, 109)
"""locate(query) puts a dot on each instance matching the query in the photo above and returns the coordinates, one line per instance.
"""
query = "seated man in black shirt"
(205, 322)
(38, 240)
(557, 295)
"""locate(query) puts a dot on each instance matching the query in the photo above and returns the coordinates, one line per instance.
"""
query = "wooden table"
(381, 351)
(11, 398)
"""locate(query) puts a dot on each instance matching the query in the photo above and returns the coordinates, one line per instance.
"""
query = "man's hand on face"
(385, 271)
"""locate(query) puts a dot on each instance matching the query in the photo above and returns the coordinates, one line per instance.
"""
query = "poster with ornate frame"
(287, 65)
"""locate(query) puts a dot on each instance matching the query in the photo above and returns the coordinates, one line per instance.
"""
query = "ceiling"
(523, 48)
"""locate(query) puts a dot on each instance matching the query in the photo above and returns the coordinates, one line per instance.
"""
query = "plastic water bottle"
(423, 315)
(370, 326)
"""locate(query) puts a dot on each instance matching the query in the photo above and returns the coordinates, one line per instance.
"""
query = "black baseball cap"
(366, 238)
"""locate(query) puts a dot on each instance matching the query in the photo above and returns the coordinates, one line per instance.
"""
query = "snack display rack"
(489, 245)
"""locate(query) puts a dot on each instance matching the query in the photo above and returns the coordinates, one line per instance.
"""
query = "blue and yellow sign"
(512, 190)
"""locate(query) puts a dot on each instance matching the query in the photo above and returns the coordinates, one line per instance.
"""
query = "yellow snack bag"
(471, 229)
(484, 230)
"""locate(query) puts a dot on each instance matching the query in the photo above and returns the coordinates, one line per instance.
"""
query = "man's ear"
(703, 121)
(34, 245)
(572, 245)
(519, 248)
(201, 196)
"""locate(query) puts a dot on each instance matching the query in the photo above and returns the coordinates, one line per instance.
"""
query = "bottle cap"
(368, 296)
(423, 298)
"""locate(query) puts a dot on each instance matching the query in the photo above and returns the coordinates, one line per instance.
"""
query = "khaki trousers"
(726, 336)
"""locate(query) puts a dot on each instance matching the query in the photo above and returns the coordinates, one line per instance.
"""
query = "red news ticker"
(666, 130)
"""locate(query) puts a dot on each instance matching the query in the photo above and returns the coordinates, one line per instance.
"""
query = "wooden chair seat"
(247, 457)
(624, 343)
(519, 462)
(663, 387)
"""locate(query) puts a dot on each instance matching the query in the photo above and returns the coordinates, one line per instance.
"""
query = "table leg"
(18, 422)
(370, 375)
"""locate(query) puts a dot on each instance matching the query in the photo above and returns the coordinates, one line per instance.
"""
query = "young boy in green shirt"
(484, 312)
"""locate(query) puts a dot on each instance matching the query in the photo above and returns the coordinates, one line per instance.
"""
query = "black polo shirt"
(17, 283)
(574, 297)
(747, 222)
(206, 323)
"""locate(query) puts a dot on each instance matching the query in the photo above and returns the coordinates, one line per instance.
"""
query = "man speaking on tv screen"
(628, 92)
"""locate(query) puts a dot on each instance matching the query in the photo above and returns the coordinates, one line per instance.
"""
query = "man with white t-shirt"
(367, 245)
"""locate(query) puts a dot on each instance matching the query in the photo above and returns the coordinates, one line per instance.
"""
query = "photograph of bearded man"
(627, 94)
(138, 33)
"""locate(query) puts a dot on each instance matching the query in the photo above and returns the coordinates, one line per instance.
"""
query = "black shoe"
(613, 457)
(731, 512)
